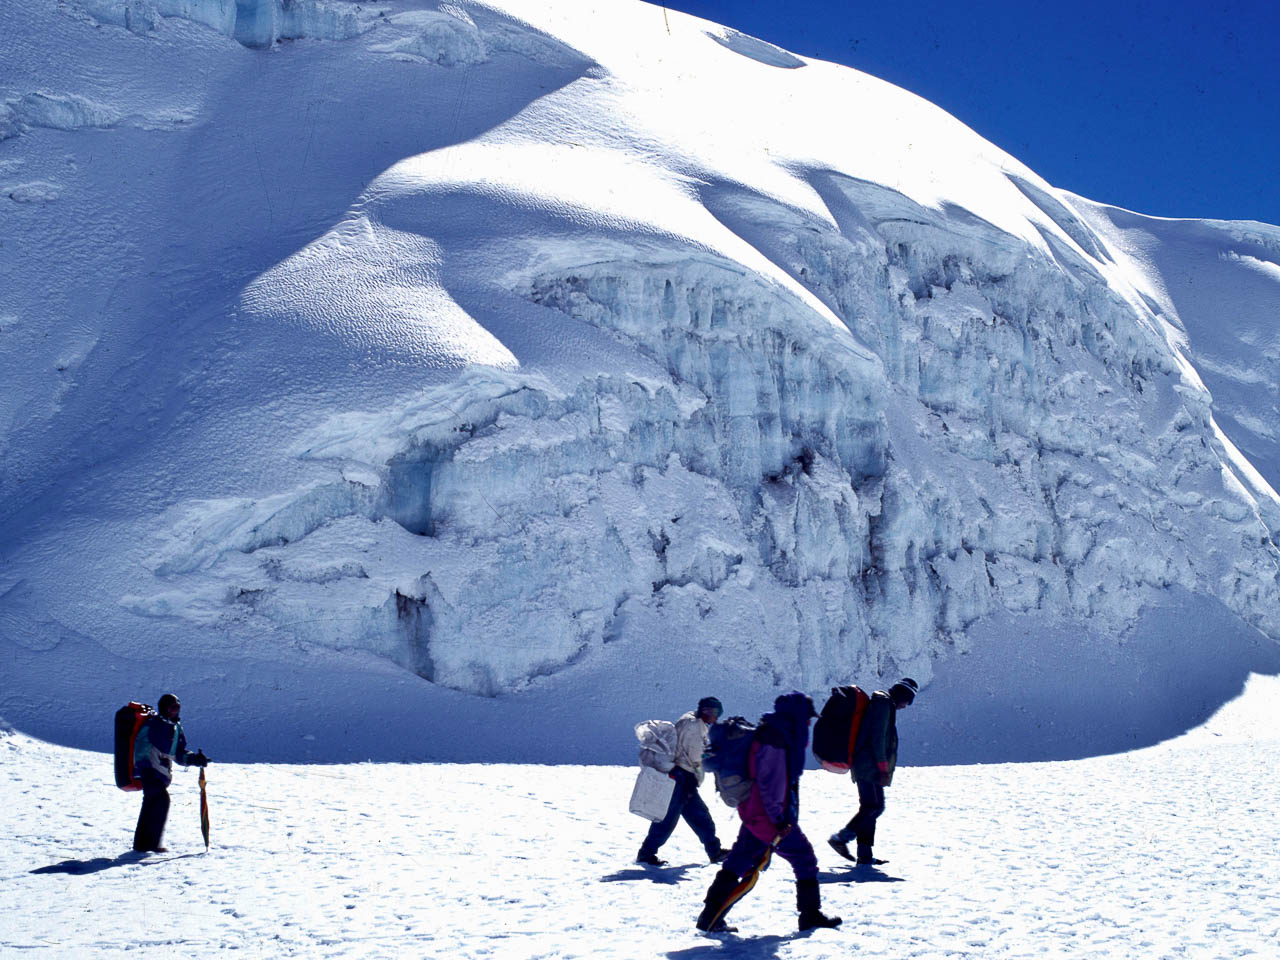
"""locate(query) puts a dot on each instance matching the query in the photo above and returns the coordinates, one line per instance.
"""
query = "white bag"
(652, 795)
(657, 744)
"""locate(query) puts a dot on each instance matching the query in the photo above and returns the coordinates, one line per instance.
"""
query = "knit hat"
(166, 701)
(905, 690)
(711, 703)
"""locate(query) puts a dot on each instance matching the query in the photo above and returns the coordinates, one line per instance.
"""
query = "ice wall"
(1024, 438)
(254, 23)
(436, 33)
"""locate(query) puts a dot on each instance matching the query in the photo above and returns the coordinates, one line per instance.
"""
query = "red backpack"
(836, 732)
(129, 720)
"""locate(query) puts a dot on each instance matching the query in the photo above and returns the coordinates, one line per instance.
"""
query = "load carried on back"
(731, 741)
(129, 720)
(835, 734)
(652, 793)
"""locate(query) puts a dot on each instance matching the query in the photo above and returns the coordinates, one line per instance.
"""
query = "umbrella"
(204, 811)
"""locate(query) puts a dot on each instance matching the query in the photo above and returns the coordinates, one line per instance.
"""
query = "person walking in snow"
(771, 818)
(159, 743)
(691, 745)
(875, 755)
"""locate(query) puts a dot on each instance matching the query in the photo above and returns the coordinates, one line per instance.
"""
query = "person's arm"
(180, 752)
(185, 756)
(689, 745)
(878, 715)
(771, 780)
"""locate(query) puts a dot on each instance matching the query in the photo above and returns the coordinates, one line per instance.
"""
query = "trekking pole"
(204, 811)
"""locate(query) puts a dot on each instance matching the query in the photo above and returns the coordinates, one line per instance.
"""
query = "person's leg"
(796, 849)
(809, 906)
(154, 812)
(743, 858)
(863, 825)
(746, 852)
(142, 832)
(660, 830)
(699, 818)
(871, 796)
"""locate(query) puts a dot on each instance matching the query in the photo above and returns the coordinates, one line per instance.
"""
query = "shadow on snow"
(652, 874)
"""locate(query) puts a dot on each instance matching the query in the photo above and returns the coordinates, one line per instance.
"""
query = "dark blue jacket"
(877, 738)
(159, 743)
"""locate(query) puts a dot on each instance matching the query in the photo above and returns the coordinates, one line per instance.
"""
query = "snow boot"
(840, 846)
(721, 887)
(865, 858)
(817, 920)
(651, 860)
(809, 903)
(720, 857)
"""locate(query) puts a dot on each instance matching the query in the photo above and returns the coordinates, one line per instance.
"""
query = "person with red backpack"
(770, 819)
(875, 754)
(159, 743)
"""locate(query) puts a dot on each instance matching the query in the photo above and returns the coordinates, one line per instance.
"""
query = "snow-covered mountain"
(378, 360)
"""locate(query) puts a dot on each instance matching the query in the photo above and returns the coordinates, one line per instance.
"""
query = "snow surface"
(1167, 852)
(482, 361)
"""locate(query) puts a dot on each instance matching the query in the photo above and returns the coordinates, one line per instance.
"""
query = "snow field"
(1166, 852)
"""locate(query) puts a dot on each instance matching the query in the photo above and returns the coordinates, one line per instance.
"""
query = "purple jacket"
(775, 764)
(766, 806)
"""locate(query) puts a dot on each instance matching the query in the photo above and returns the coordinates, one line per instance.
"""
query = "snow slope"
(1159, 853)
(402, 356)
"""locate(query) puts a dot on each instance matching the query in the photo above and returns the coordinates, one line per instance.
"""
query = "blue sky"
(1171, 109)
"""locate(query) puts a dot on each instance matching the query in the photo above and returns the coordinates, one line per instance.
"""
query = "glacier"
(500, 342)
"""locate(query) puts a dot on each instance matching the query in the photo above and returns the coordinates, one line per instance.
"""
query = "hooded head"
(796, 705)
(790, 717)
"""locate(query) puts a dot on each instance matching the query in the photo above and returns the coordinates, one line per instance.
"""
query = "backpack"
(657, 744)
(731, 741)
(836, 732)
(129, 720)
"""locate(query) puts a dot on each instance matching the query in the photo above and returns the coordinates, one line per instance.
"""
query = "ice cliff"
(642, 333)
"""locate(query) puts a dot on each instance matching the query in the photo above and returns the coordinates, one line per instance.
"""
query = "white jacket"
(691, 744)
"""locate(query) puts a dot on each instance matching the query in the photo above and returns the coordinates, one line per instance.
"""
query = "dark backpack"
(836, 732)
(129, 720)
(731, 741)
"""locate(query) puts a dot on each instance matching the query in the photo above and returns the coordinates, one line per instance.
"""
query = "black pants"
(687, 803)
(154, 813)
(870, 806)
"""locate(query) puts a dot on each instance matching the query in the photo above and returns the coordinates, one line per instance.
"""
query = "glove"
(198, 760)
(783, 829)
(886, 777)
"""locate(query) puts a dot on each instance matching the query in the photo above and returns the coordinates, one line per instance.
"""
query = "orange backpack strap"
(860, 703)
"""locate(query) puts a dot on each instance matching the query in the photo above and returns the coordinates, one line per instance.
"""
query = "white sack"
(652, 795)
(657, 744)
